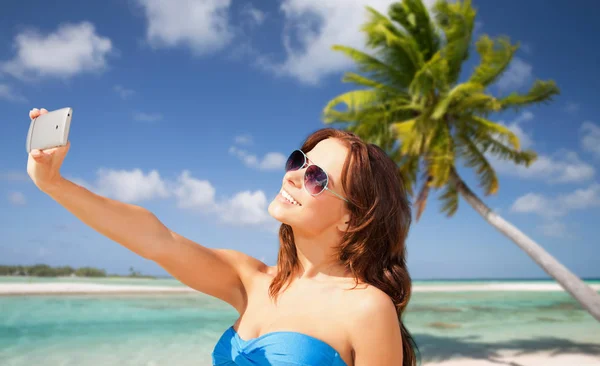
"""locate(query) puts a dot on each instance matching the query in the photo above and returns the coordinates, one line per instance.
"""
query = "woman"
(340, 286)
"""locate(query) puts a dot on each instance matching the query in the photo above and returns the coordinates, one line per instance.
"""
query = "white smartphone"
(49, 130)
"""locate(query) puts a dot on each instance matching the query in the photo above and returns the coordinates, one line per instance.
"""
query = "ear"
(343, 223)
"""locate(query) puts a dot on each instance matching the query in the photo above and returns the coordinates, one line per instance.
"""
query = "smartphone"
(49, 130)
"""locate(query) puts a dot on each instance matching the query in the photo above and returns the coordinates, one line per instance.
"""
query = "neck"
(318, 256)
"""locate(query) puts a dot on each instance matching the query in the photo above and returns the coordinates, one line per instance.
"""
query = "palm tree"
(411, 104)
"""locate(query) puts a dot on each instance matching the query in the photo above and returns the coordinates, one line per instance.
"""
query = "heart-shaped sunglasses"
(316, 179)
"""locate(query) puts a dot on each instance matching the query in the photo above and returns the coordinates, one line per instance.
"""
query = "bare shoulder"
(374, 329)
(369, 302)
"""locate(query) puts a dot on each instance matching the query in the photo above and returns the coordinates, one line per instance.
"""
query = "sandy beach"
(536, 359)
(93, 288)
(84, 288)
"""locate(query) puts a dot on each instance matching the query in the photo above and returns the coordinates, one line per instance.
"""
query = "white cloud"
(203, 26)
(9, 94)
(312, 27)
(515, 126)
(562, 167)
(271, 161)
(194, 193)
(16, 198)
(254, 15)
(71, 49)
(123, 92)
(131, 186)
(246, 208)
(243, 139)
(147, 117)
(582, 198)
(544, 206)
(189, 193)
(590, 140)
(518, 74)
(535, 203)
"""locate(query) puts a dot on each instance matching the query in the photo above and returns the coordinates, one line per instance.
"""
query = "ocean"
(181, 329)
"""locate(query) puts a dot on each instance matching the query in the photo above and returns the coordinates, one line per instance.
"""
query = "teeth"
(289, 198)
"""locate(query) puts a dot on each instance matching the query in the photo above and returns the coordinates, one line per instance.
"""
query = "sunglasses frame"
(308, 163)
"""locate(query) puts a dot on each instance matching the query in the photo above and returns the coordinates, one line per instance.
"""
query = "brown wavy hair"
(373, 247)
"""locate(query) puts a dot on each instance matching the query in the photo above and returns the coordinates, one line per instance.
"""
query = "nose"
(294, 178)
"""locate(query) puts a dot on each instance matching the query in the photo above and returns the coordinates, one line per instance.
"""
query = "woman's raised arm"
(225, 274)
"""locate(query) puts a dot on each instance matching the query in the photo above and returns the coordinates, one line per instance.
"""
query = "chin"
(278, 211)
(275, 211)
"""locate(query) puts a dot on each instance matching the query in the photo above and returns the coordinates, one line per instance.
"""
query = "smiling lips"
(289, 197)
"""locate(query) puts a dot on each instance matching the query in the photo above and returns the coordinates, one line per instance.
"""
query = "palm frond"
(449, 200)
(456, 94)
(495, 58)
(404, 128)
(376, 69)
(540, 92)
(355, 100)
(371, 124)
(351, 77)
(503, 152)
(432, 76)
(474, 158)
(487, 127)
(413, 141)
(393, 46)
(476, 103)
(414, 18)
(457, 20)
(381, 104)
(440, 155)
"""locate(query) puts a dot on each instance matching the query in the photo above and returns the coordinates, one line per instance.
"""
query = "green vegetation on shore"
(44, 270)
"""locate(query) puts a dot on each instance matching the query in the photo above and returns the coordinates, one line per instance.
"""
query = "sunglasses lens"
(315, 179)
(295, 161)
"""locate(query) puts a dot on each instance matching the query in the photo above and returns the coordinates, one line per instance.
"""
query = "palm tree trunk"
(583, 293)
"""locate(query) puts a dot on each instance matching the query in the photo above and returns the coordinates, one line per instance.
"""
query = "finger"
(38, 155)
(43, 110)
(50, 151)
(34, 113)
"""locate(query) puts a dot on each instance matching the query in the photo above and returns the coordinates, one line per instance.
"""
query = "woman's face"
(314, 214)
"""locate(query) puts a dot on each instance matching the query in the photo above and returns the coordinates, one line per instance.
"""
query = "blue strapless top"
(274, 349)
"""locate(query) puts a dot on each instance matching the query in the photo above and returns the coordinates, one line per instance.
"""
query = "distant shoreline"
(72, 288)
(483, 279)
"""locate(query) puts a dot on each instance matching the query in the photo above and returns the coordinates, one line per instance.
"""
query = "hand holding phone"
(49, 129)
(47, 145)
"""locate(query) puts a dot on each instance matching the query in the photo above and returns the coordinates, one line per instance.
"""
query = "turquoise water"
(181, 329)
(175, 283)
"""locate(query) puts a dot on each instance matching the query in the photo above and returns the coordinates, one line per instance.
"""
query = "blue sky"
(188, 108)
